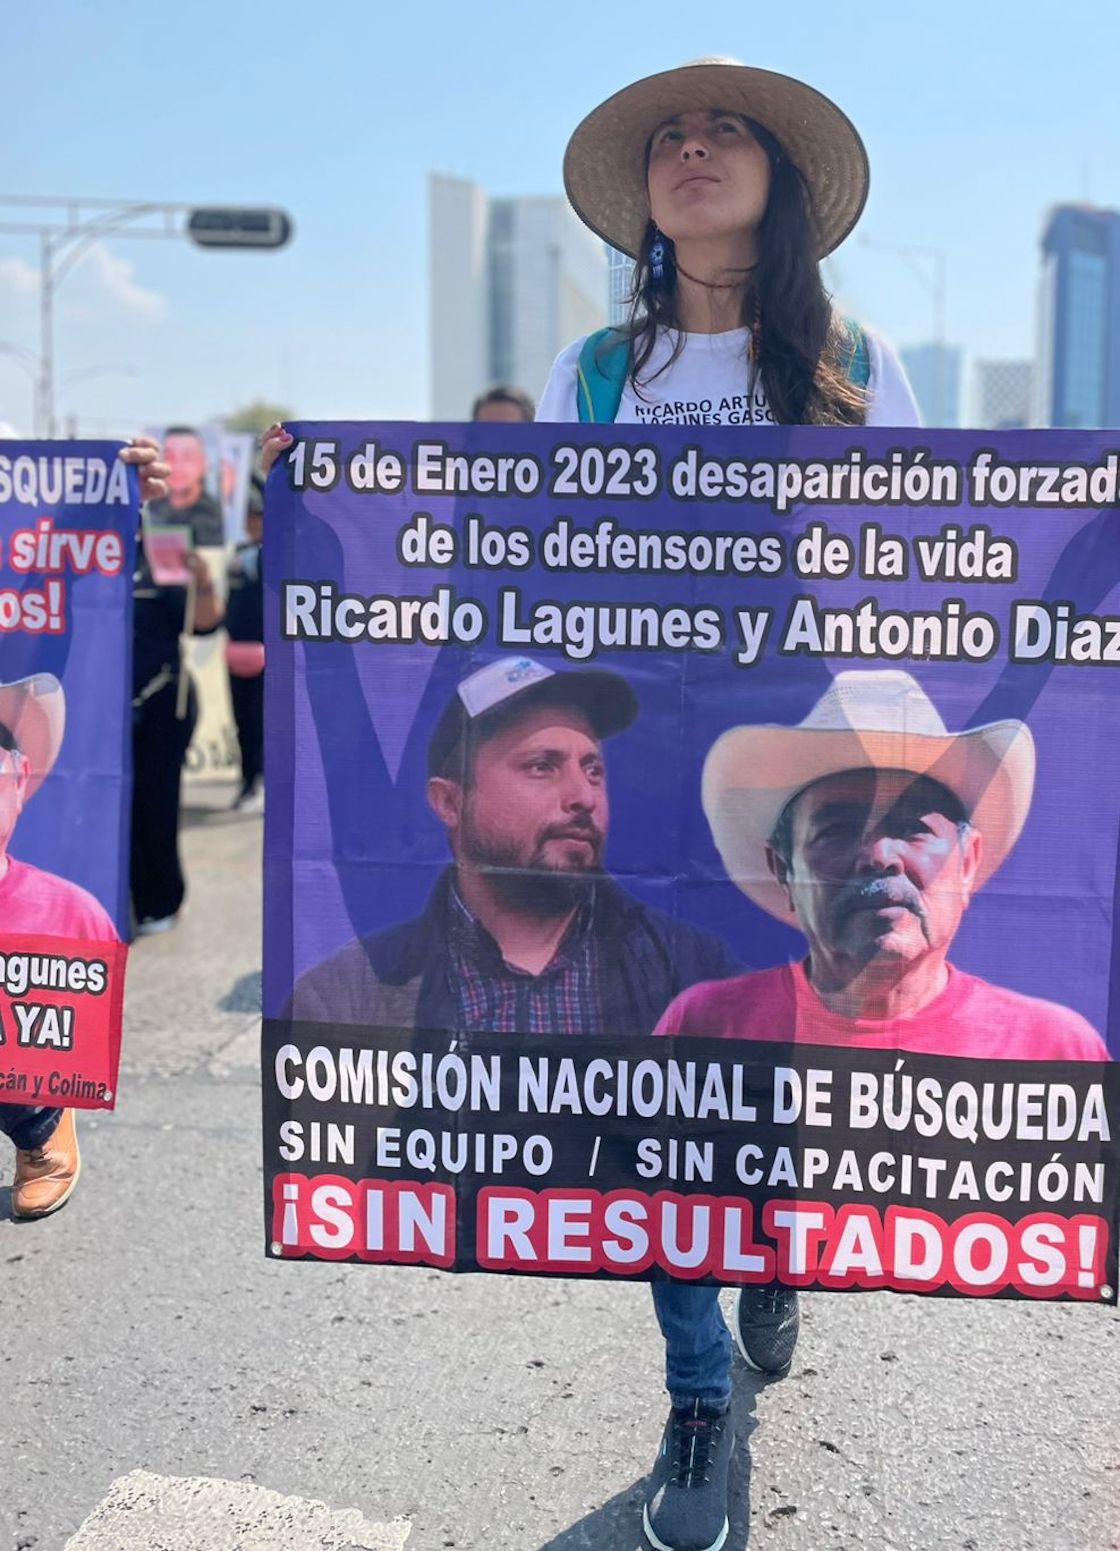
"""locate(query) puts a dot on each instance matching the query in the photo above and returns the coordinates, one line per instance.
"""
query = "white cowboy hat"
(882, 720)
(34, 712)
(605, 163)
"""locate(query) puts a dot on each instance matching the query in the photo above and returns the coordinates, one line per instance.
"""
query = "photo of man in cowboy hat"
(32, 903)
(525, 932)
(872, 828)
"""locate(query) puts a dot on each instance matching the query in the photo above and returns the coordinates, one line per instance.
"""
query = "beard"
(524, 878)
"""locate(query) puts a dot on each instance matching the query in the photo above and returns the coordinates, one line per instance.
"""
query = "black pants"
(159, 746)
(247, 697)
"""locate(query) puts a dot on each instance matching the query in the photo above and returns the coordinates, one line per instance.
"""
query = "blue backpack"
(605, 360)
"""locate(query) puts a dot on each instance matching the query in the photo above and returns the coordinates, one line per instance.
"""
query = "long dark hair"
(798, 345)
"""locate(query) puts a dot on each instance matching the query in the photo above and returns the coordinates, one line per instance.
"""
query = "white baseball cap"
(606, 699)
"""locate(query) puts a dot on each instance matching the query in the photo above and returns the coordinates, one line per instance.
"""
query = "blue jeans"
(28, 1125)
(697, 1343)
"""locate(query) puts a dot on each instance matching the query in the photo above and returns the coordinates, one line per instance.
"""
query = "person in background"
(499, 405)
(245, 652)
(163, 721)
(503, 404)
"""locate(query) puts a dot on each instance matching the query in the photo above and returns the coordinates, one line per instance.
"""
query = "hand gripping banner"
(69, 513)
(695, 855)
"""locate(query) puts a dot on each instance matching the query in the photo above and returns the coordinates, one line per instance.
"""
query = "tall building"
(1002, 395)
(934, 371)
(621, 281)
(1079, 319)
(511, 282)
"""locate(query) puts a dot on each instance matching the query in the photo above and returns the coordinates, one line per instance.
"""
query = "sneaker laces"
(695, 1434)
(769, 1300)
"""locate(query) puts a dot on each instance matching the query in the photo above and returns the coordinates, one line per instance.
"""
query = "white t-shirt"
(707, 385)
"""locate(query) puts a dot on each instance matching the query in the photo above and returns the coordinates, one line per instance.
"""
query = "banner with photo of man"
(208, 484)
(208, 500)
(69, 514)
(695, 857)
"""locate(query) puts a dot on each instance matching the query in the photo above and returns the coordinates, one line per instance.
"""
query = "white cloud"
(114, 278)
(100, 279)
(18, 279)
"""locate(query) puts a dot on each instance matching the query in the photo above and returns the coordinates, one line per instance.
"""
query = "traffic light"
(224, 227)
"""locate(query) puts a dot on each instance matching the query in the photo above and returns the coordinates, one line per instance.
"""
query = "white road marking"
(192, 1513)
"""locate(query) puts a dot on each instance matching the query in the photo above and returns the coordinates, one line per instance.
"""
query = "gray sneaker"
(766, 1324)
(686, 1505)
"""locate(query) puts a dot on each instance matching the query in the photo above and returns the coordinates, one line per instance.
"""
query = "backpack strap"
(601, 375)
(604, 362)
(855, 354)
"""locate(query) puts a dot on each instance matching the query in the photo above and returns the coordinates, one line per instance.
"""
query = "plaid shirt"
(498, 998)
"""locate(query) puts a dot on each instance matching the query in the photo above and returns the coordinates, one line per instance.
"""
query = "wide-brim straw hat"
(605, 163)
(877, 719)
(34, 712)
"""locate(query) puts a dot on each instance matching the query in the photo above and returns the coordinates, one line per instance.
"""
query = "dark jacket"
(244, 619)
(158, 617)
(399, 977)
(204, 518)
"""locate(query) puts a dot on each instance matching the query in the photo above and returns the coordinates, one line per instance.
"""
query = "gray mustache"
(874, 892)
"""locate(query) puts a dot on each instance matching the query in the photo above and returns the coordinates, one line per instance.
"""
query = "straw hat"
(605, 163)
(34, 712)
(881, 720)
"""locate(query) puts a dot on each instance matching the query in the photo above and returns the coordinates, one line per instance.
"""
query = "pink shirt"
(969, 1018)
(34, 902)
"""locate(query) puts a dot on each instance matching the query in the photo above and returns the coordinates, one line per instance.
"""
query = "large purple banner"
(781, 773)
(69, 513)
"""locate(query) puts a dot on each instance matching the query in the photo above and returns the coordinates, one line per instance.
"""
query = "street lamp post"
(68, 228)
(28, 362)
(31, 363)
(933, 280)
(84, 374)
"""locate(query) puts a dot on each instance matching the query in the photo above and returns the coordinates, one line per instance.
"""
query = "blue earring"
(657, 259)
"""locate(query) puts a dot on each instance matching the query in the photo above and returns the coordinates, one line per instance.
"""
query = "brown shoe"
(46, 1176)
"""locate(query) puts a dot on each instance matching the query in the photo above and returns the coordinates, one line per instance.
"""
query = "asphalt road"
(143, 1329)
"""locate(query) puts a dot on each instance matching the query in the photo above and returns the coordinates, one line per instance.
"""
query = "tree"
(257, 416)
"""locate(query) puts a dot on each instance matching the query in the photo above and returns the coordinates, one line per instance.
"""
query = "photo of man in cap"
(34, 902)
(871, 827)
(524, 932)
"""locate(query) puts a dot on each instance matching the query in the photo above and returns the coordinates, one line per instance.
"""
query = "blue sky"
(977, 118)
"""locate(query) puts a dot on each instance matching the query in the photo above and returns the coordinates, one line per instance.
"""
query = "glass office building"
(934, 371)
(511, 282)
(1079, 319)
(1002, 395)
(621, 284)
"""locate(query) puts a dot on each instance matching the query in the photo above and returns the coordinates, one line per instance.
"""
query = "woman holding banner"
(727, 185)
